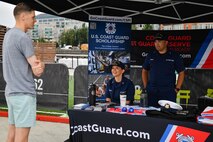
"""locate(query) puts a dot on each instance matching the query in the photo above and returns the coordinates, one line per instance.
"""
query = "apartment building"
(186, 26)
(50, 27)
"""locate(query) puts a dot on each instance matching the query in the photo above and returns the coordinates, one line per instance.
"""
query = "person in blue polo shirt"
(119, 85)
(158, 73)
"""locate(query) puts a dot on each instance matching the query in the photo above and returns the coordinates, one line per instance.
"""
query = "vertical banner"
(109, 39)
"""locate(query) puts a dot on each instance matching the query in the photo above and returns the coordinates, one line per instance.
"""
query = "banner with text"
(194, 46)
(109, 33)
(109, 39)
(93, 126)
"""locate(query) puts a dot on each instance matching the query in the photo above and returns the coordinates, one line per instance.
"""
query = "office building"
(50, 27)
(186, 26)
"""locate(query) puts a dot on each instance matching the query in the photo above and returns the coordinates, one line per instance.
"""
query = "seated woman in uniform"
(119, 85)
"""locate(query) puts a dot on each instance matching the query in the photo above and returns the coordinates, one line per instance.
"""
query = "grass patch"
(71, 92)
(51, 113)
(3, 108)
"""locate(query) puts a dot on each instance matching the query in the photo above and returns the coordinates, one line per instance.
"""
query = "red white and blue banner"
(204, 57)
(194, 46)
(175, 133)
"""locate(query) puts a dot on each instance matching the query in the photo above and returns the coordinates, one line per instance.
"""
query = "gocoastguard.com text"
(95, 128)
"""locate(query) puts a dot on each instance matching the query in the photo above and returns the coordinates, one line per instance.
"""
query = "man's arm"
(108, 100)
(144, 77)
(180, 80)
(128, 102)
(36, 65)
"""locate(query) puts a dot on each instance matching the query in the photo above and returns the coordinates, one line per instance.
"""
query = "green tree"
(133, 27)
(62, 40)
(147, 27)
(83, 34)
(41, 39)
(74, 36)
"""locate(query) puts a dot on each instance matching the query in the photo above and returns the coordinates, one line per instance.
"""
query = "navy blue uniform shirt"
(162, 76)
(162, 68)
(114, 89)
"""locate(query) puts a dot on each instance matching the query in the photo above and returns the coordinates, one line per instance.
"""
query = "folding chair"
(183, 94)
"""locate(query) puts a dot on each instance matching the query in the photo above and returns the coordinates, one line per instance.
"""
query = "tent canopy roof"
(141, 11)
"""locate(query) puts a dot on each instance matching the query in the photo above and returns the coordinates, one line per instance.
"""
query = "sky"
(6, 14)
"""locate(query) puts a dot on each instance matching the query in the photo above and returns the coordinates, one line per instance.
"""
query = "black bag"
(190, 115)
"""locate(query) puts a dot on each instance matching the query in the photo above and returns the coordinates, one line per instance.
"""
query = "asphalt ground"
(42, 132)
